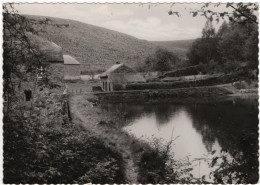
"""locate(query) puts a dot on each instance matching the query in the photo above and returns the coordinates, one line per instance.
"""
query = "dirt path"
(83, 113)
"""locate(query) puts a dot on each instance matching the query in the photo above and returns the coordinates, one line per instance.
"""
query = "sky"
(142, 21)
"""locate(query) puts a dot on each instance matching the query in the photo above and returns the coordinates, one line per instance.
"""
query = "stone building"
(72, 68)
(49, 52)
(118, 76)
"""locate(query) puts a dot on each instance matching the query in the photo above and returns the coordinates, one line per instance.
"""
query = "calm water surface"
(201, 127)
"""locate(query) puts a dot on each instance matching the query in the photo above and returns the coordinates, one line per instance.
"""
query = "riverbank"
(180, 95)
(141, 163)
(139, 159)
(84, 113)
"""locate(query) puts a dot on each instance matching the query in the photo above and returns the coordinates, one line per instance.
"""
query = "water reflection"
(202, 127)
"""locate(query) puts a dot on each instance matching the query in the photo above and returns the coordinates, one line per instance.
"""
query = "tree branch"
(248, 17)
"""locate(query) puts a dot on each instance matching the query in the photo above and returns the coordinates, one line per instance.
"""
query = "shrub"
(96, 88)
(118, 87)
(157, 165)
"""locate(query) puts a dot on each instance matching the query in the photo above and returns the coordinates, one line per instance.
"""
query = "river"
(199, 128)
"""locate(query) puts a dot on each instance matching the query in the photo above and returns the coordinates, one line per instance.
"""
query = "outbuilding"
(118, 76)
(72, 68)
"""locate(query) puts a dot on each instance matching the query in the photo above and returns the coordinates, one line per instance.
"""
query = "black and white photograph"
(130, 93)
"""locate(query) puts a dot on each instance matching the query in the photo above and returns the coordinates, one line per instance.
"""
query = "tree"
(251, 48)
(208, 32)
(162, 60)
(231, 44)
(239, 12)
(18, 54)
(244, 42)
(21, 59)
(222, 29)
(203, 50)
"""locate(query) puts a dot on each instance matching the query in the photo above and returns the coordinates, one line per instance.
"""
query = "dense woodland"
(232, 46)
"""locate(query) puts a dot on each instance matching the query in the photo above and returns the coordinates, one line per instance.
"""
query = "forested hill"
(180, 47)
(97, 47)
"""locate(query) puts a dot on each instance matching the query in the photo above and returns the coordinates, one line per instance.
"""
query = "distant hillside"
(180, 47)
(97, 47)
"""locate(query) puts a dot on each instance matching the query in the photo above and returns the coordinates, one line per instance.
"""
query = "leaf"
(195, 14)
(222, 14)
(214, 161)
(231, 19)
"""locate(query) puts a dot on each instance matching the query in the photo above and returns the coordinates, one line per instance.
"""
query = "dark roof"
(126, 78)
(51, 51)
(116, 69)
(112, 68)
(69, 60)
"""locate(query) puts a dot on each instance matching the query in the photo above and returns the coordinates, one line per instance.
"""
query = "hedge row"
(192, 70)
(179, 84)
(172, 85)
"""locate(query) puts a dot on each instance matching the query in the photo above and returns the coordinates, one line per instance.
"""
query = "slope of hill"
(179, 47)
(98, 48)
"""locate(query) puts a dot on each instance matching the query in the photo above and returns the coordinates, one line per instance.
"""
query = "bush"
(157, 165)
(118, 87)
(57, 155)
(96, 89)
